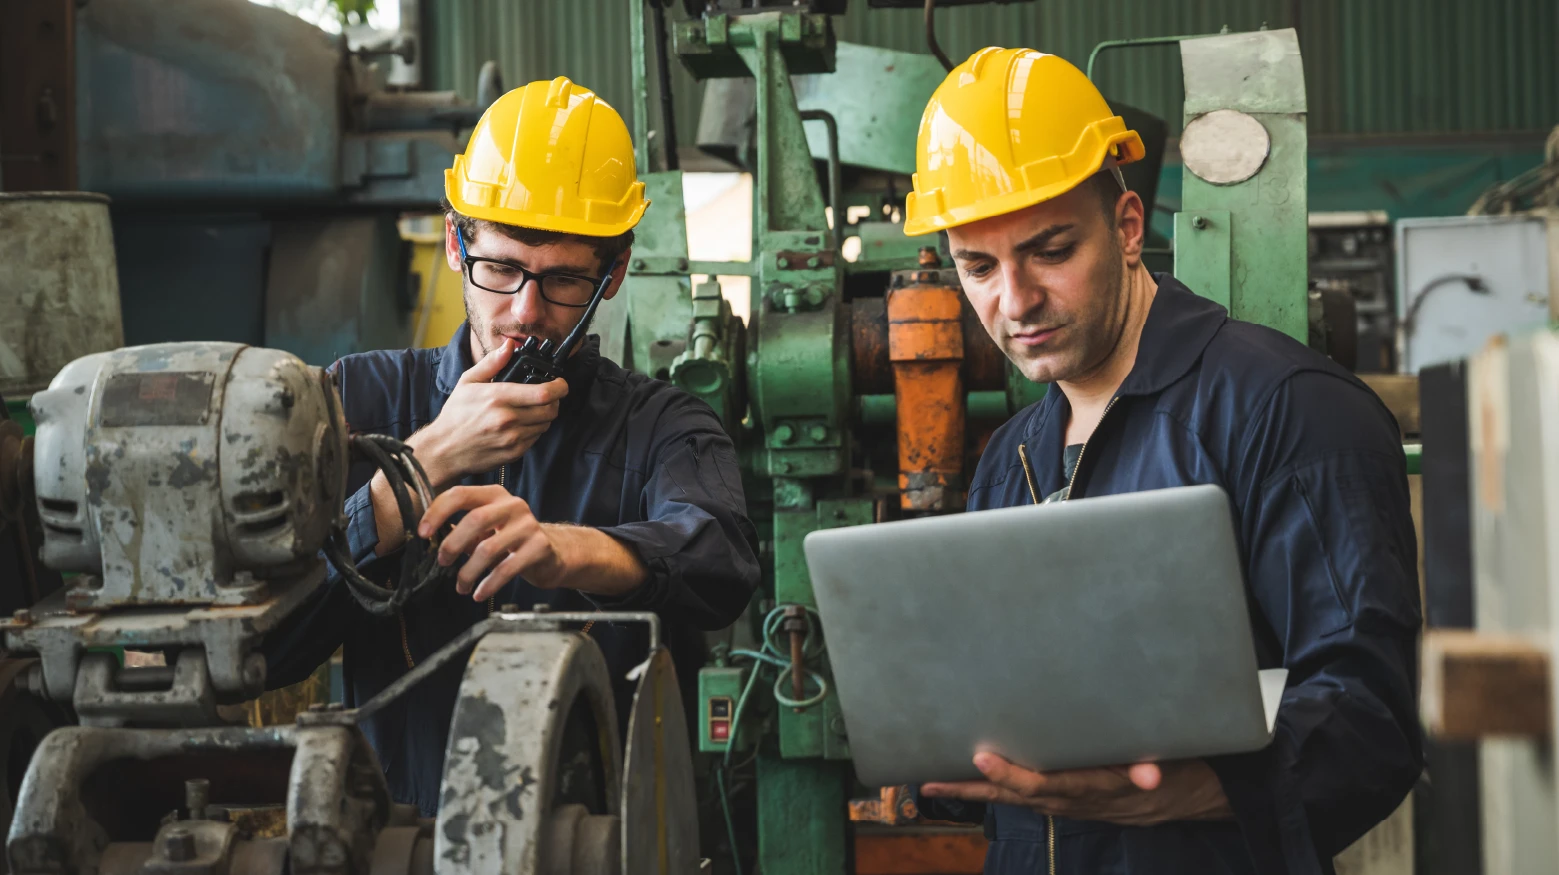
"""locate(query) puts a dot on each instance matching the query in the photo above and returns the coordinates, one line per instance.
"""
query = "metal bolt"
(316, 707)
(508, 608)
(336, 706)
(783, 262)
(784, 467)
(682, 264)
(540, 609)
(638, 264)
(22, 617)
(836, 725)
(197, 792)
(784, 434)
(178, 845)
(1199, 222)
(814, 261)
(818, 433)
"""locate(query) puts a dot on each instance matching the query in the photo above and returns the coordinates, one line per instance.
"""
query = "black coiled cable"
(420, 570)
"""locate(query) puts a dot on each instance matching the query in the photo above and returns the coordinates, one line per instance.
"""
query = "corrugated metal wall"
(1373, 66)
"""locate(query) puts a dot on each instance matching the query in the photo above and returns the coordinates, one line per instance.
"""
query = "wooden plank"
(1479, 684)
(920, 851)
(1399, 392)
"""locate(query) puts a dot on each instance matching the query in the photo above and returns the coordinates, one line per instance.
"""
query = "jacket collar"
(1179, 326)
(456, 360)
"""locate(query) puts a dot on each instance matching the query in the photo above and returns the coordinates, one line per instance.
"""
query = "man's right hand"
(484, 424)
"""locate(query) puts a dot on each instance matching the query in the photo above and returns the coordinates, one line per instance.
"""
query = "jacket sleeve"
(695, 540)
(1332, 571)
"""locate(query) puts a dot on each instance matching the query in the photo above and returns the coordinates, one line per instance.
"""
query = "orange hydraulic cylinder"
(926, 347)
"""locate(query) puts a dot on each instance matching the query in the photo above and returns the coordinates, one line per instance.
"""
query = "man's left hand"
(501, 535)
(1138, 795)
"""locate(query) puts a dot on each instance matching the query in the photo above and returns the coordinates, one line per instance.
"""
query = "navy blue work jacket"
(1314, 469)
(644, 462)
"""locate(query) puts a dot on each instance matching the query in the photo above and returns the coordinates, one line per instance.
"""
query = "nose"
(527, 306)
(1021, 296)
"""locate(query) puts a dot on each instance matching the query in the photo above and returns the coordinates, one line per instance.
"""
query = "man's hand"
(484, 424)
(1139, 795)
(504, 540)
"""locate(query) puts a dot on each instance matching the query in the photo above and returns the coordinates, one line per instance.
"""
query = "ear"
(1132, 225)
(619, 273)
(452, 246)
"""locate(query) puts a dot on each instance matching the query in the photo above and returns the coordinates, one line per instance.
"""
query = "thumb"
(1146, 776)
(489, 365)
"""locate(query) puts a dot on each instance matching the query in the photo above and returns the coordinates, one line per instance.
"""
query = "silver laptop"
(1082, 633)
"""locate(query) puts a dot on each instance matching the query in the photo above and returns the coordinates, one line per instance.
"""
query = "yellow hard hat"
(1007, 129)
(553, 156)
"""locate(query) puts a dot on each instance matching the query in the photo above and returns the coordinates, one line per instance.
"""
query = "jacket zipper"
(1028, 474)
(1078, 465)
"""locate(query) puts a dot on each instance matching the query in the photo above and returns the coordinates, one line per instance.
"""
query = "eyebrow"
(1038, 241)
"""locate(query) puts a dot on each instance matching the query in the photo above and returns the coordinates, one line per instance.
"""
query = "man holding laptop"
(1154, 387)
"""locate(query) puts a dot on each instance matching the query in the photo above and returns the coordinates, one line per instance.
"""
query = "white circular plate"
(1224, 146)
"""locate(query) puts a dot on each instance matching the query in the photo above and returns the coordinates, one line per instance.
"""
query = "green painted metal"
(884, 409)
(707, 369)
(17, 410)
(1245, 243)
(1202, 257)
(1115, 44)
(1415, 457)
(795, 838)
(656, 298)
(878, 110)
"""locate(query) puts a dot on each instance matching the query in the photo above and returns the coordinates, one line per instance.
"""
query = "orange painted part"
(936, 852)
(893, 806)
(926, 346)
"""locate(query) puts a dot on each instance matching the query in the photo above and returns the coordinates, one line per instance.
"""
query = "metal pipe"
(827, 118)
(931, 42)
(641, 96)
(879, 409)
(668, 117)
(1139, 41)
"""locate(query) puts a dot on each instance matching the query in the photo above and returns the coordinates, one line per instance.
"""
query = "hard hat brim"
(1127, 146)
(558, 224)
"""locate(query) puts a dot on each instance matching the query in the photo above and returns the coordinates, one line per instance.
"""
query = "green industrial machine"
(808, 386)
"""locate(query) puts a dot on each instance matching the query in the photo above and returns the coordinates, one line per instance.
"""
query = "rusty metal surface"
(659, 807)
(926, 346)
(38, 96)
(86, 785)
(893, 806)
(59, 290)
(525, 701)
(871, 372)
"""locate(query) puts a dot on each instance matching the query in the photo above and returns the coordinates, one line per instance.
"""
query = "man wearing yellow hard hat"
(589, 486)
(1152, 387)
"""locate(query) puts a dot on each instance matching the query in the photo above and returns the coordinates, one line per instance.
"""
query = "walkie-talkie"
(538, 361)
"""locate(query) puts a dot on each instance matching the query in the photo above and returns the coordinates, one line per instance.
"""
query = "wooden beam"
(920, 851)
(1479, 684)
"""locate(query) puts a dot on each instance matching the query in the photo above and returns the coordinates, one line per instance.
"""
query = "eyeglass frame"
(526, 276)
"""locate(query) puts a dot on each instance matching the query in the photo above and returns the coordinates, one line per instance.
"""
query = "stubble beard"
(1095, 334)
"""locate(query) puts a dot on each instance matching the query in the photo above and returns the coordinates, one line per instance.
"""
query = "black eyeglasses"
(507, 278)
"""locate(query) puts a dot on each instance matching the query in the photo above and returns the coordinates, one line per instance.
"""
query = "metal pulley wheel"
(533, 779)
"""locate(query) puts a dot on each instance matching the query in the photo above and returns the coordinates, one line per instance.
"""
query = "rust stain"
(926, 346)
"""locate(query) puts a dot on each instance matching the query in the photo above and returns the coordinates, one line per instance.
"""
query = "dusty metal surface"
(59, 292)
(659, 807)
(505, 769)
(187, 473)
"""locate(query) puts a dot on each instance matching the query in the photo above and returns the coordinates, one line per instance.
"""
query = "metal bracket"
(1202, 255)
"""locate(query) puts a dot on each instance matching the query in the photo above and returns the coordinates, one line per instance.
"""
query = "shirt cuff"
(362, 530)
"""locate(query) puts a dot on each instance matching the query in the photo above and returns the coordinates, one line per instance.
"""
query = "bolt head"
(814, 261)
(540, 609)
(509, 608)
(178, 845)
(1199, 222)
(22, 617)
(638, 264)
(784, 434)
(818, 433)
(783, 262)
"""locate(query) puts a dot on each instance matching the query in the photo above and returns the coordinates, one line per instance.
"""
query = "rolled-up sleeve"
(1333, 574)
(695, 540)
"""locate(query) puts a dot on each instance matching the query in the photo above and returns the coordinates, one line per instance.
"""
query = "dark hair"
(606, 249)
(1107, 188)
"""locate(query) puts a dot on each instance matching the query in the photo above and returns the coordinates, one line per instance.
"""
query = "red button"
(719, 730)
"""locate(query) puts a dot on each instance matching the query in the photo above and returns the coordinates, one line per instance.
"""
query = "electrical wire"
(420, 570)
(770, 655)
(931, 43)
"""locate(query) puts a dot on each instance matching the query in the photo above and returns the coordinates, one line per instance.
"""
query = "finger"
(1146, 776)
(478, 526)
(454, 501)
(527, 554)
(506, 537)
(999, 771)
(541, 415)
(519, 395)
(489, 365)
